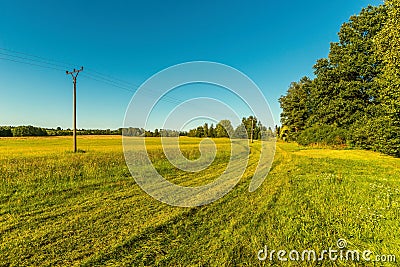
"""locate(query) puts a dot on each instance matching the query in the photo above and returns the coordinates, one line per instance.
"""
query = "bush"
(322, 135)
(5, 131)
(28, 131)
(378, 134)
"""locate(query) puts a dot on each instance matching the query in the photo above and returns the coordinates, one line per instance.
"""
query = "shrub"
(322, 135)
(378, 134)
(5, 131)
(29, 131)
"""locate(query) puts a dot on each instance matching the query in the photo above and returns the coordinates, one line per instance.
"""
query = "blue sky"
(272, 42)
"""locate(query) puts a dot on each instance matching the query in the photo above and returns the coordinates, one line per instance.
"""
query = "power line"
(109, 83)
(91, 74)
(39, 57)
(34, 60)
(44, 64)
(95, 73)
(111, 77)
(29, 63)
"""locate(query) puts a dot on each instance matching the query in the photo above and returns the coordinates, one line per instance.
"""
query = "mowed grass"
(61, 208)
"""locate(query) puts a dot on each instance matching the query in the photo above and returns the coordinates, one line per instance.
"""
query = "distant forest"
(250, 127)
(354, 98)
(9, 131)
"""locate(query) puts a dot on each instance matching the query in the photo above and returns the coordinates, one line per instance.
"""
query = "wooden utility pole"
(74, 75)
(251, 132)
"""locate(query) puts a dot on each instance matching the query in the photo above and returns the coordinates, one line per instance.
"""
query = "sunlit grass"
(61, 208)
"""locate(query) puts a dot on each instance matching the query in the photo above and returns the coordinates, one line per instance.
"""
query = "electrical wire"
(39, 57)
(111, 77)
(109, 83)
(34, 60)
(29, 63)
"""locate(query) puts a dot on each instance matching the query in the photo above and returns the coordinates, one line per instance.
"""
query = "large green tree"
(211, 131)
(357, 88)
(224, 128)
(206, 130)
(388, 50)
(250, 124)
(200, 131)
(296, 106)
(345, 87)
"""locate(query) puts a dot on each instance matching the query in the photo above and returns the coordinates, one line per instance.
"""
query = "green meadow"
(85, 209)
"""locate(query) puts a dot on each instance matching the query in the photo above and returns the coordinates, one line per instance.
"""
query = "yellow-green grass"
(61, 208)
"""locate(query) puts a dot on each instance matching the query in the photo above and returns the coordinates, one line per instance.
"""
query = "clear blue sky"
(273, 42)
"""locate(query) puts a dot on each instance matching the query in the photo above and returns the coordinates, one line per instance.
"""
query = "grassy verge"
(60, 208)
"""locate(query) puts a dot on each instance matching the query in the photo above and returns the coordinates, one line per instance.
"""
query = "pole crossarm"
(74, 73)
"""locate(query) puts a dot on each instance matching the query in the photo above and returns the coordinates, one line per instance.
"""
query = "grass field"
(60, 208)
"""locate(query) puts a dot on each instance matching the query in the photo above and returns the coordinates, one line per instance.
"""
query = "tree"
(258, 131)
(345, 87)
(388, 50)
(269, 132)
(183, 133)
(296, 106)
(28, 131)
(132, 131)
(211, 131)
(240, 132)
(192, 133)
(248, 123)
(148, 134)
(200, 131)
(206, 131)
(277, 130)
(224, 128)
(5, 131)
(284, 133)
(354, 90)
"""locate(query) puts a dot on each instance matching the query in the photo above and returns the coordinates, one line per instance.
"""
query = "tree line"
(131, 131)
(250, 127)
(354, 98)
(10, 131)
(222, 129)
